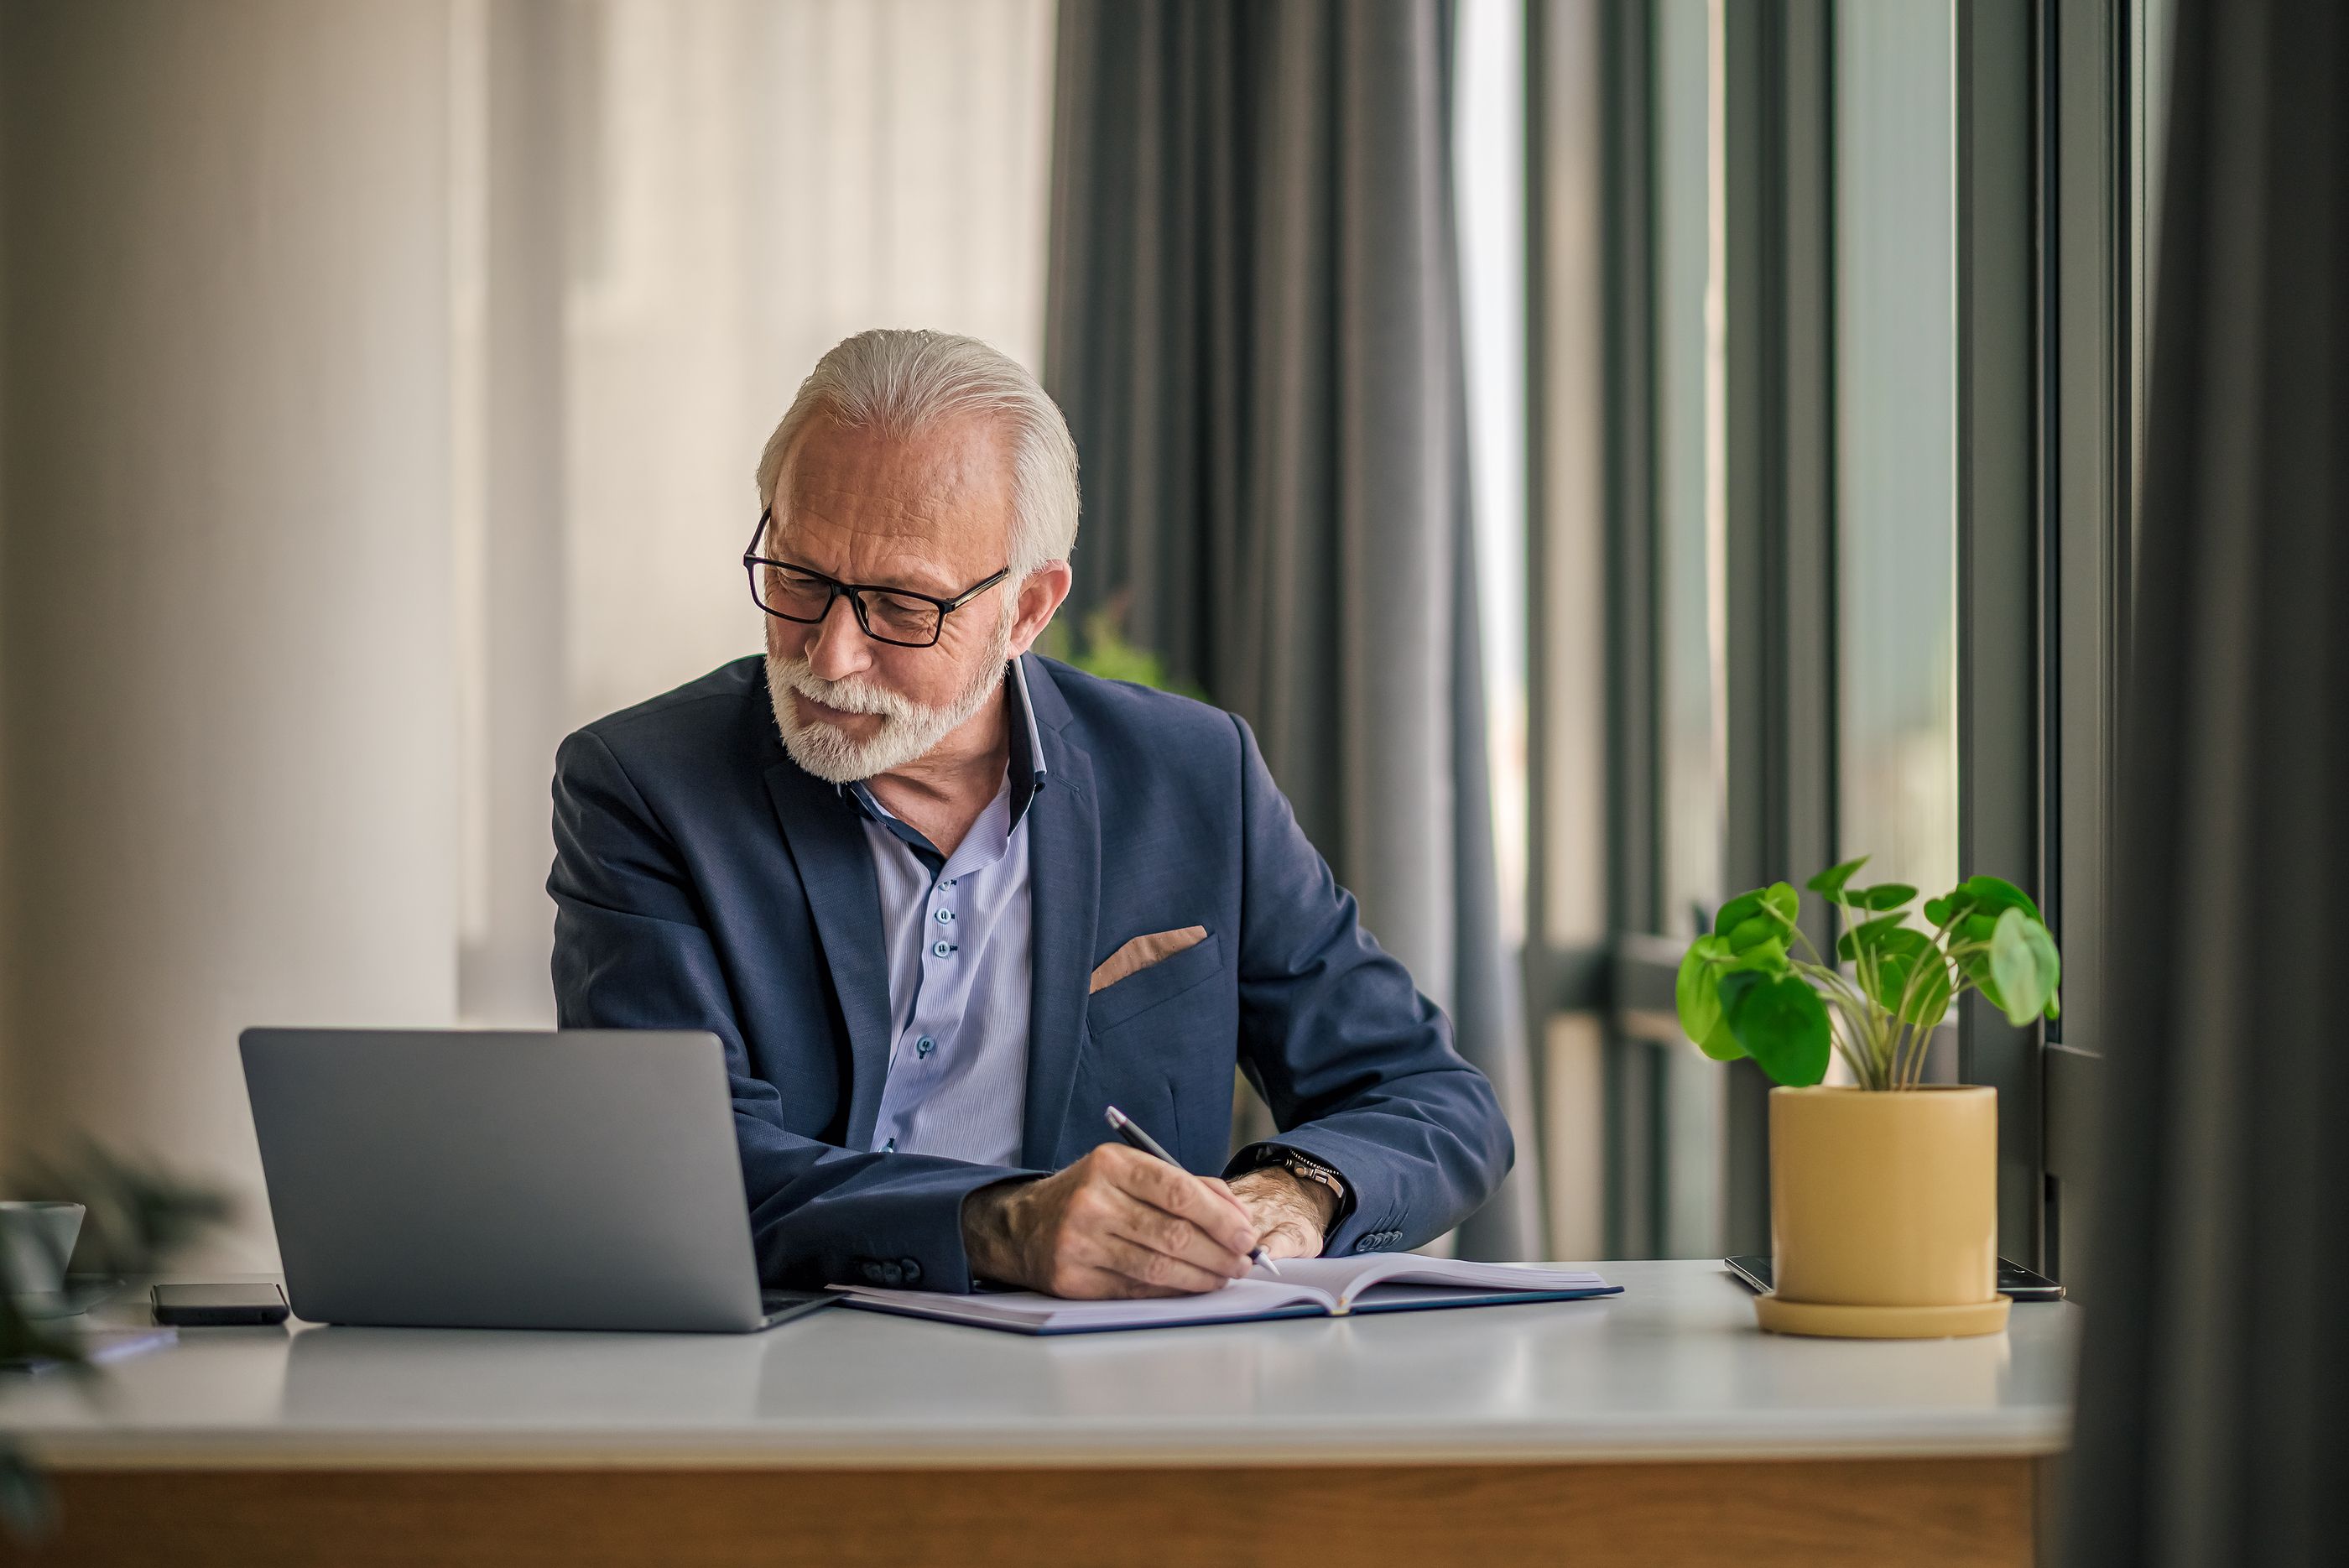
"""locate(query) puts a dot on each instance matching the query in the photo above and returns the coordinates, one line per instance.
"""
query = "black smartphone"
(219, 1306)
(2013, 1279)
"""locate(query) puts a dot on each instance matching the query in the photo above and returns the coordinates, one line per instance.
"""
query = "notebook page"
(1344, 1278)
(1034, 1311)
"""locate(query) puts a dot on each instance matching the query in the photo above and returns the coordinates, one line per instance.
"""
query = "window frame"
(2048, 231)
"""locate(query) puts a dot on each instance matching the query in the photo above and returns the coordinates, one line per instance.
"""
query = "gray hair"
(900, 382)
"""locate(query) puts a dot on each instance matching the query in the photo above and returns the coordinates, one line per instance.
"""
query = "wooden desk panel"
(1815, 1513)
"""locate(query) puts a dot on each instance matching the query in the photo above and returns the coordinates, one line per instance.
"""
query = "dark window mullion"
(1997, 640)
(1780, 522)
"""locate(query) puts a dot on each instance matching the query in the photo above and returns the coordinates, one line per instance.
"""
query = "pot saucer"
(1782, 1316)
(82, 1292)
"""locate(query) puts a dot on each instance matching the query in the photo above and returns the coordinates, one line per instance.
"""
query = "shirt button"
(942, 949)
(925, 1045)
(889, 1148)
(945, 916)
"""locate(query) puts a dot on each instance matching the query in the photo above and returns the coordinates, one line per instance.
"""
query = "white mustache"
(850, 694)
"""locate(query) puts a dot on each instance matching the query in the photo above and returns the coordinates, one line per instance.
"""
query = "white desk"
(1659, 1422)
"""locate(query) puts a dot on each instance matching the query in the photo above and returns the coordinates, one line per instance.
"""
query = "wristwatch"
(1305, 1169)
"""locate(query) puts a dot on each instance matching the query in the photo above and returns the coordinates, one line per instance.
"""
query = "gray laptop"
(464, 1179)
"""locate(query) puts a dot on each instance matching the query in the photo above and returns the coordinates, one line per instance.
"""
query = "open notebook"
(1306, 1287)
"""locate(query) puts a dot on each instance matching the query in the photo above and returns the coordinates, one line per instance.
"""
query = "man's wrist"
(1312, 1198)
(990, 1230)
(1306, 1170)
(1293, 1216)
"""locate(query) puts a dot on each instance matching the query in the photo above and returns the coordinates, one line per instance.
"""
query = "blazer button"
(911, 1270)
(873, 1271)
(892, 1275)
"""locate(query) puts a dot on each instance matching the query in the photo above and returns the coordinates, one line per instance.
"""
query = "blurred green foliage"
(138, 1216)
(1108, 654)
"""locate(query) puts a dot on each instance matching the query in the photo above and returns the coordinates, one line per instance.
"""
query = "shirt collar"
(1026, 772)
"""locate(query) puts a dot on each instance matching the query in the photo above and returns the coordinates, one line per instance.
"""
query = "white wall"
(383, 383)
(669, 211)
(224, 591)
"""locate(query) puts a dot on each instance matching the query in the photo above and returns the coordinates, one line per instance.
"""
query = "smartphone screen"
(2014, 1280)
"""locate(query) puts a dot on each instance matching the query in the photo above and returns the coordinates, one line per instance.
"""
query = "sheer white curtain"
(692, 202)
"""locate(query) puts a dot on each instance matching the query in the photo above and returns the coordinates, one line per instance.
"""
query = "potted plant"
(1883, 1193)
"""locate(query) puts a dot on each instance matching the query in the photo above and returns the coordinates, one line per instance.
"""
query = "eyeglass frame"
(753, 561)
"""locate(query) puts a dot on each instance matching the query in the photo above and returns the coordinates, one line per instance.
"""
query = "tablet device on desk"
(2014, 1281)
(507, 1178)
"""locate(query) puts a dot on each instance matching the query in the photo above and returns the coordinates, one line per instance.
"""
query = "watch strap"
(1302, 1166)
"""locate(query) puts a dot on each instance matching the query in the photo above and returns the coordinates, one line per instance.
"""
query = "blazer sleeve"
(632, 950)
(1357, 1065)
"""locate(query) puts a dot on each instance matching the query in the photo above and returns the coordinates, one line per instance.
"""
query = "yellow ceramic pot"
(1884, 1212)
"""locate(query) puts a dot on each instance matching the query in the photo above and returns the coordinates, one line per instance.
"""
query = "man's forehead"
(944, 492)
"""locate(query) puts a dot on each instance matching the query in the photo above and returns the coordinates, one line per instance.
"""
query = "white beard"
(908, 729)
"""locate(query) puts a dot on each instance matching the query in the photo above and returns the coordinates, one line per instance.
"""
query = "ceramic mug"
(35, 1239)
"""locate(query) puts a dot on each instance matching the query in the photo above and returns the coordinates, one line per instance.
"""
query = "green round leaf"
(1899, 955)
(1938, 910)
(2023, 961)
(1735, 986)
(1883, 896)
(1995, 895)
(1696, 989)
(1866, 934)
(1736, 912)
(1779, 1021)
(1831, 880)
(1769, 957)
(1752, 933)
(1721, 1045)
(1782, 898)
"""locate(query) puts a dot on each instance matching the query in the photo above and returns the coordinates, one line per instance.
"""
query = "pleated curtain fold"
(1253, 325)
(2214, 1413)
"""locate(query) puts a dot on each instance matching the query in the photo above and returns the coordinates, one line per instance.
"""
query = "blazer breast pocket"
(1161, 982)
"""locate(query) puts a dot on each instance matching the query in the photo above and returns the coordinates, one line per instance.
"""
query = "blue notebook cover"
(1311, 1287)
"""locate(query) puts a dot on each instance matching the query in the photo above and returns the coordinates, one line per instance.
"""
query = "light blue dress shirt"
(958, 931)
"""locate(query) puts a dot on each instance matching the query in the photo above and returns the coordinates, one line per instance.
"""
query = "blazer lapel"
(1064, 898)
(844, 893)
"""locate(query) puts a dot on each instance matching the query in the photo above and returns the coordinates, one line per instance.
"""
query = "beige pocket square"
(1142, 952)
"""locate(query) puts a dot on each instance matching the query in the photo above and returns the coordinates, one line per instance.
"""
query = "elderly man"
(944, 901)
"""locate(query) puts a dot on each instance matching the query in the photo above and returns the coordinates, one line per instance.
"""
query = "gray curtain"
(2214, 1415)
(1254, 327)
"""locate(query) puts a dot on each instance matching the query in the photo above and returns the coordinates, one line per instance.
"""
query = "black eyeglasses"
(899, 617)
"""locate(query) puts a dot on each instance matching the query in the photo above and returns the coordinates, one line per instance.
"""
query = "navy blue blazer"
(702, 880)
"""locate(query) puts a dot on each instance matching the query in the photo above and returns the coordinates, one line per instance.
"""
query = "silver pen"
(1126, 1127)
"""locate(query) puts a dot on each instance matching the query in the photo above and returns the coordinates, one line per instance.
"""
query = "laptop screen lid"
(505, 1179)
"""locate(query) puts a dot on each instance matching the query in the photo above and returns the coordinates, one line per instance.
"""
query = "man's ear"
(1041, 593)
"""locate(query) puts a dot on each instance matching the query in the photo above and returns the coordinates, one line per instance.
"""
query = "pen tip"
(1116, 1118)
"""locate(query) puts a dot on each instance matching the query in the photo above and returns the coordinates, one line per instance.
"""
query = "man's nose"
(838, 646)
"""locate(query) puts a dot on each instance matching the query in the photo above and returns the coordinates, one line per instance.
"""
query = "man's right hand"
(1115, 1223)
